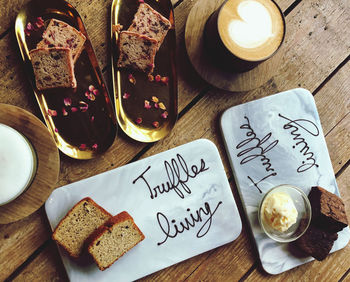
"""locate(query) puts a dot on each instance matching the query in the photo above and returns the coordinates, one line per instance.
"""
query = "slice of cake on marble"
(53, 67)
(136, 51)
(61, 34)
(83, 219)
(149, 22)
(113, 239)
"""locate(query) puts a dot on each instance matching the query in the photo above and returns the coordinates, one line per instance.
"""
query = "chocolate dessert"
(317, 242)
(328, 210)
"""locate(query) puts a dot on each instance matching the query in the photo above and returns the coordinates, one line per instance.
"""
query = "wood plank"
(313, 47)
(8, 12)
(335, 92)
(47, 264)
(340, 136)
(20, 239)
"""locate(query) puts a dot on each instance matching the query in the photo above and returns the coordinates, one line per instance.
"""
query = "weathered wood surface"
(315, 56)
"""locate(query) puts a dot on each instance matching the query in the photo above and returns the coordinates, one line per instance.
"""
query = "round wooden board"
(48, 163)
(216, 76)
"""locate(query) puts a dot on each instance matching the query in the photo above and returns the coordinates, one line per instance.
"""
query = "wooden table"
(316, 56)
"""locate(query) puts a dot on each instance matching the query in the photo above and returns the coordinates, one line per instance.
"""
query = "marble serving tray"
(180, 199)
(272, 141)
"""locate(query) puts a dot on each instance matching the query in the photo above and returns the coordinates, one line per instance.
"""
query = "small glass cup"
(303, 207)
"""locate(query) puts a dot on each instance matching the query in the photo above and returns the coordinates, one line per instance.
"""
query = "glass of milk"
(18, 164)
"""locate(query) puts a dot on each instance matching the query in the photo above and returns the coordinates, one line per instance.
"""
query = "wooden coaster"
(201, 61)
(48, 163)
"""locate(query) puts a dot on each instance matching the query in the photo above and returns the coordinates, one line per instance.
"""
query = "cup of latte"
(18, 164)
(243, 33)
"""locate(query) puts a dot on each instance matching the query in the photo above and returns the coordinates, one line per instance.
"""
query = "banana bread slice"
(53, 67)
(83, 219)
(149, 22)
(136, 51)
(61, 34)
(113, 239)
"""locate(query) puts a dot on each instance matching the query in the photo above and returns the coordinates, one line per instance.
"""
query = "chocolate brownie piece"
(328, 210)
(53, 67)
(61, 34)
(316, 242)
(149, 22)
(136, 51)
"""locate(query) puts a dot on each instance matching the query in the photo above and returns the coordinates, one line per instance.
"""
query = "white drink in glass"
(18, 164)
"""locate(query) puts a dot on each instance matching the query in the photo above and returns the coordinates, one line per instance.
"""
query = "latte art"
(253, 28)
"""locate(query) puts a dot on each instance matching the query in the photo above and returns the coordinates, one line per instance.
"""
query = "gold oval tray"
(132, 88)
(83, 125)
(48, 168)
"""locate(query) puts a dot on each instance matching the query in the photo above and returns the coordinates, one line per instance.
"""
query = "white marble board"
(277, 140)
(199, 194)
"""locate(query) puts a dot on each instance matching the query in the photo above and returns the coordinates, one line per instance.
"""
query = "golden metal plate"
(83, 125)
(137, 121)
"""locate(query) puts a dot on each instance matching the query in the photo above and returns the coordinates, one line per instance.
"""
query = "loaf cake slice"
(82, 220)
(113, 239)
(53, 67)
(149, 22)
(136, 51)
(61, 34)
(328, 210)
